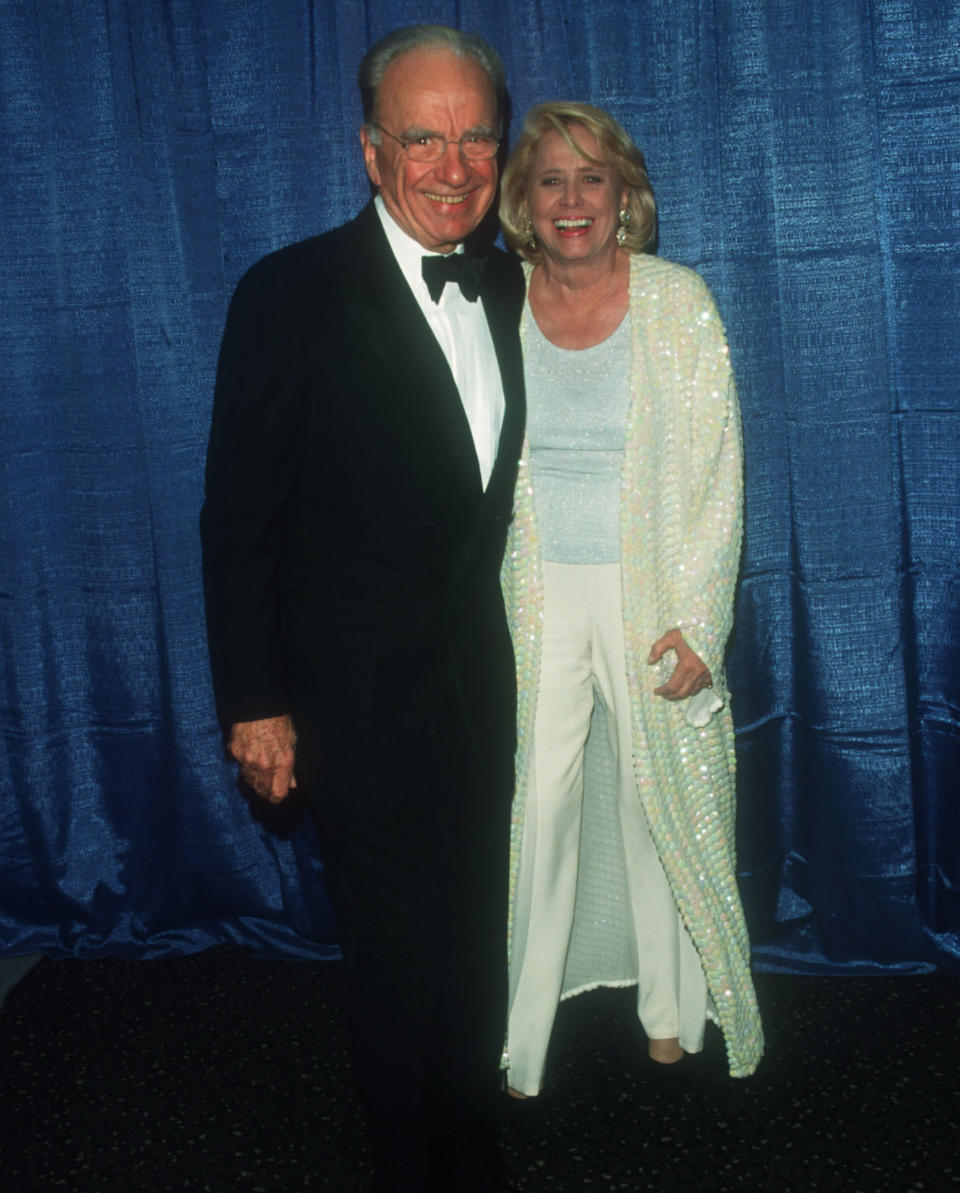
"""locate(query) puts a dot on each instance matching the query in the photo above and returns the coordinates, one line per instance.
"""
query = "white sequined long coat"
(681, 524)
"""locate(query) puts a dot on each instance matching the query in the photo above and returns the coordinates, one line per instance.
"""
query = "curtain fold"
(804, 156)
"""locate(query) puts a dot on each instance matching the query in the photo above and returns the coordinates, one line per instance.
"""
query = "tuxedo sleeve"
(251, 470)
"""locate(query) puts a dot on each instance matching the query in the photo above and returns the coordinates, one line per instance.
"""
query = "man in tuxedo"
(366, 430)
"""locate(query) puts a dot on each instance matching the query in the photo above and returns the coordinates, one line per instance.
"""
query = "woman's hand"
(691, 674)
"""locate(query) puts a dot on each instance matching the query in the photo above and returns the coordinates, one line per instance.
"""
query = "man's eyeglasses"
(476, 147)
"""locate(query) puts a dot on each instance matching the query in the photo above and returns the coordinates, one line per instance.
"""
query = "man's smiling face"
(438, 203)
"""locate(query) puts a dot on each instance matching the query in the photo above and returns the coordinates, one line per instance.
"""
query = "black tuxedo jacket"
(351, 555)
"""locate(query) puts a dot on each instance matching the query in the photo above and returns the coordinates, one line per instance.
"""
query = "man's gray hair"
(427, 37)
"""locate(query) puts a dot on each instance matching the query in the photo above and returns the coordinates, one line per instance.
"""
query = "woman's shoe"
(666, 1051)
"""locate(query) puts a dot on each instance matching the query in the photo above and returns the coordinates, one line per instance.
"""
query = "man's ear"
(369, 156)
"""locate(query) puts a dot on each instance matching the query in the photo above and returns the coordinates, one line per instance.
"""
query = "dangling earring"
(624, 222)
(528, 233)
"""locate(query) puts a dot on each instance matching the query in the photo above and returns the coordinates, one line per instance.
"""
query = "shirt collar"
(408, 252)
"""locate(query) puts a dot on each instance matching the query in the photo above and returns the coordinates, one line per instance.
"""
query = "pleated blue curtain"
(804, 156)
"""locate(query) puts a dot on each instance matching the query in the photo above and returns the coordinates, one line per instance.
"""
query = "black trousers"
(414, 833)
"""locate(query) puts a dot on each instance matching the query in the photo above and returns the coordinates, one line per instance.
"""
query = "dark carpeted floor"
(217, 1072)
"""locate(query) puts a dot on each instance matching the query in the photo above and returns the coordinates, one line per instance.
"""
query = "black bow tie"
(457, 267)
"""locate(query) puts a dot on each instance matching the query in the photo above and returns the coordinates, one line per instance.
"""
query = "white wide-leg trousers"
(583, 656)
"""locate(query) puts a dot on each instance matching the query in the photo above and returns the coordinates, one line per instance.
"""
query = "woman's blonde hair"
(619, 154)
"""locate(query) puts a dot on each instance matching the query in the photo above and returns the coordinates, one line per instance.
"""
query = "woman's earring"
(528, 232)
(624, 222)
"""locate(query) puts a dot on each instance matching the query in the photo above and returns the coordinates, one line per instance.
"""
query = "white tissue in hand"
(700, 708)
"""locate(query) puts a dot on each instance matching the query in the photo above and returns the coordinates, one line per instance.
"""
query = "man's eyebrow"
(414, 132)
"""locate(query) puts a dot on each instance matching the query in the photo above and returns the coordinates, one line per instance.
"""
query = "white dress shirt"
(462, 332)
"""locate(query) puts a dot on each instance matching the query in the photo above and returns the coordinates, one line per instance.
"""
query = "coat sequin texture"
(680, 528)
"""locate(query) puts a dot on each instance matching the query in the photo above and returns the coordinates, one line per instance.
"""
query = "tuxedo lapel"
(418, 383)
(502, 301)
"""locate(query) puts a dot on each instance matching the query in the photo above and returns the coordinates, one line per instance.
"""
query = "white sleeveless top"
(577, 403)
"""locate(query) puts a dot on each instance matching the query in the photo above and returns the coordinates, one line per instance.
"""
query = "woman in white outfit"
(619, 581)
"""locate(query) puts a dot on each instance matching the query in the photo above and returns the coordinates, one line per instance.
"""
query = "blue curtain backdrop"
(805, 157)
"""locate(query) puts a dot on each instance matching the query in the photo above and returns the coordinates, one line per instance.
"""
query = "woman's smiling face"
(573, 202)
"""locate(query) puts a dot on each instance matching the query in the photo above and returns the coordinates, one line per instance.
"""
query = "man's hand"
(265, 751)
(690, 675)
